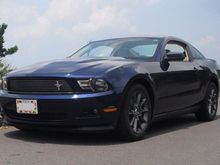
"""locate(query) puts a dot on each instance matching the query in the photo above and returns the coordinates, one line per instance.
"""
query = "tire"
(1, 117)
(209, 105)
(1, 121)
(135, 114)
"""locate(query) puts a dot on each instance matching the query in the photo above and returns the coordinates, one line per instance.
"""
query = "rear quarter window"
(196, 54)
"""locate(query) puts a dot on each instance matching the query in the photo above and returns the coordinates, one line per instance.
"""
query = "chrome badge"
(58, 85)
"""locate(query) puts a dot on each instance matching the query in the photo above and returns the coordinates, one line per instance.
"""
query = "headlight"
(3, 84)
(100, 85)
(85, 84)
(95, 85)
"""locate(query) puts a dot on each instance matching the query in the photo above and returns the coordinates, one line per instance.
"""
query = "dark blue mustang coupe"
(116, 84)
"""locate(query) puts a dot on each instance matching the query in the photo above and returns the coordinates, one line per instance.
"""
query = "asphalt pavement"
(178, 141)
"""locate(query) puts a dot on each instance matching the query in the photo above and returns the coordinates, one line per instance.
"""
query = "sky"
(53, 29)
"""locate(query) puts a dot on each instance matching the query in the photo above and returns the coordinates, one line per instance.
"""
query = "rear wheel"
(209, 105)
(135, 114)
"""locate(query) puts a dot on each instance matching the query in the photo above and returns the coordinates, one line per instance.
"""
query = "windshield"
(127, 48)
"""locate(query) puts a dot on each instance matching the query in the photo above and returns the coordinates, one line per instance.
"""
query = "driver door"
(177, 87)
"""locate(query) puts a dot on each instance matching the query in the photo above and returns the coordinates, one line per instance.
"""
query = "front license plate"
(26, 106)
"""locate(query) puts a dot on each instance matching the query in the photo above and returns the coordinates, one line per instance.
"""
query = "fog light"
(110, 109)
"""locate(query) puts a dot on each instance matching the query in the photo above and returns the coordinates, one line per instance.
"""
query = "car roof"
(147, 37)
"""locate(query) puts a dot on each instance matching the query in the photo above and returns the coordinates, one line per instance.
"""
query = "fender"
(146, 81)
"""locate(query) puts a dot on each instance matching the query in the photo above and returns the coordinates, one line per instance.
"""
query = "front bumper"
(75, 112)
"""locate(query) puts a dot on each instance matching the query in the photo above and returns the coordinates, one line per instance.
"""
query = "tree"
(5, 68)
(3, 51)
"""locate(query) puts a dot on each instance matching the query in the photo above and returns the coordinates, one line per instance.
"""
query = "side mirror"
(173, 56)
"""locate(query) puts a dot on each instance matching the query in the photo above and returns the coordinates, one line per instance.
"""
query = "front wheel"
(209, 105)
(1, 120)
(135, 114)
(1, 117)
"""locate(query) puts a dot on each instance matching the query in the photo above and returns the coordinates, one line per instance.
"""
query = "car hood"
(72, 67)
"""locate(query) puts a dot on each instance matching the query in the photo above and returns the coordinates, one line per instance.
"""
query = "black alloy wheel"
(135, 114)
(209, 105)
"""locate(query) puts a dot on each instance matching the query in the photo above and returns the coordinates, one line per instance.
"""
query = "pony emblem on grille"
(58, 85)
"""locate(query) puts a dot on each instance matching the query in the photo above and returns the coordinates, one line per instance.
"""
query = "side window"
(176, 48)
(196, 54)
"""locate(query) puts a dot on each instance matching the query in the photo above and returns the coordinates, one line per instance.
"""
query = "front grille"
(38, 85)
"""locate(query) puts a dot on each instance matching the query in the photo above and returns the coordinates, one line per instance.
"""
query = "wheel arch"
(147, 82)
